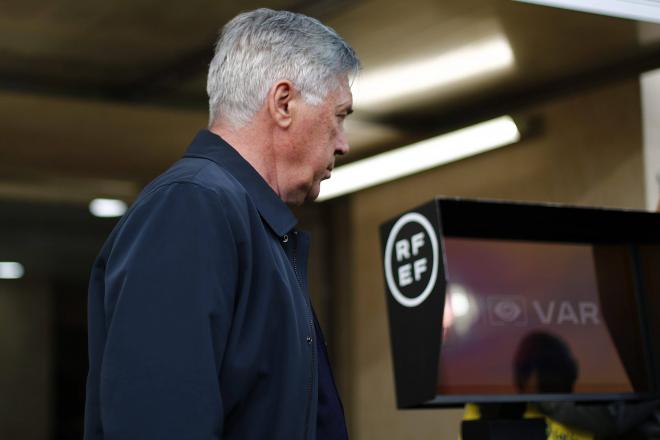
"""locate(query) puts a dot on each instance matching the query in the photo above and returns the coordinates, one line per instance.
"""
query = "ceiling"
(98, 97)
(113, 91)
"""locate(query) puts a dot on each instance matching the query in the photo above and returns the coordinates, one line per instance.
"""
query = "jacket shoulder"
(202, 173)
(199, 187)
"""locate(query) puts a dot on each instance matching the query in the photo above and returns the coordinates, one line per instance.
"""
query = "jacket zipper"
(311, 329)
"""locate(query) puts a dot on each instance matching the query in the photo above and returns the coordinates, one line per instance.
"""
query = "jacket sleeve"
(171, 279)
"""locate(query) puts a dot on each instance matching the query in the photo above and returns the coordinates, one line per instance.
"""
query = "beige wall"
(589, 152)
(26, 347)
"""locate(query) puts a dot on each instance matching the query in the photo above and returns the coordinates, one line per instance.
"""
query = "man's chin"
(312, 195)
(313, 192)
(303, 194)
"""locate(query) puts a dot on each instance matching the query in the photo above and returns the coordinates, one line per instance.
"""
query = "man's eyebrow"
(348, 109)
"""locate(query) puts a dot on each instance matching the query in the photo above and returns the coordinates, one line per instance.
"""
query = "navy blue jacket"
(200, 326)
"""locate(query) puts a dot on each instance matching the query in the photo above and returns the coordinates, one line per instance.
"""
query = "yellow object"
(554, 429)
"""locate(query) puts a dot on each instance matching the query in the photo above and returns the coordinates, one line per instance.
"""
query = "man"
(200, 325)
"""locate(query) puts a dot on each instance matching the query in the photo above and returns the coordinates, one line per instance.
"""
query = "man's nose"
(342, 146)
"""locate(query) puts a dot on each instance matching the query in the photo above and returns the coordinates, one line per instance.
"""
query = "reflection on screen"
(527, 317)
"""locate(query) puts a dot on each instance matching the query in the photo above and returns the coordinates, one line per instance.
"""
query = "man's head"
(293, 72)
(260, 47)
(544, 363)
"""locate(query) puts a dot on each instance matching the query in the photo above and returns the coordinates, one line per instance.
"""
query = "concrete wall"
(589, 152)
(26, 347)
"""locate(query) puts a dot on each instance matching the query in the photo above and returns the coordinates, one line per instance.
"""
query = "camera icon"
(507, 310)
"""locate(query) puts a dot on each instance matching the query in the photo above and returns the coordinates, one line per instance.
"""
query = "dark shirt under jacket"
(331, 424)
(200, 325)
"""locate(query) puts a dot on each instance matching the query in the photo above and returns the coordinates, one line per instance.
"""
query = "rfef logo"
(411, 259)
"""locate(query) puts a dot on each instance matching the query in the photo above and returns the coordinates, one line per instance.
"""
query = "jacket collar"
(272, 209)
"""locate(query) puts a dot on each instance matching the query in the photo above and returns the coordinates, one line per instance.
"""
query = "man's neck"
(249, 141)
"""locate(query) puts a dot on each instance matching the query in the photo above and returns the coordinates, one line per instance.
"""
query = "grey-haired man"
(200, 324)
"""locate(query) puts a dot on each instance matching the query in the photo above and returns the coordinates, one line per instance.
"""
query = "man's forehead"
(344, 95)
(345, 102)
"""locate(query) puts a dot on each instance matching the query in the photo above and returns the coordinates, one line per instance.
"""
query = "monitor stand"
(525, 429)
(503, 422)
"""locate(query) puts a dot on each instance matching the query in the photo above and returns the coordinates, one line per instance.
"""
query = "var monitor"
(496, 302)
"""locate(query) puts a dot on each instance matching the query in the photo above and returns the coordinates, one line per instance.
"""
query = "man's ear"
(279, 103)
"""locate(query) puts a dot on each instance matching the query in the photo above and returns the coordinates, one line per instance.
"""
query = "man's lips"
(328, 172)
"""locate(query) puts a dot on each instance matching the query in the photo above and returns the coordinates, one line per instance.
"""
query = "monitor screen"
(534, 317)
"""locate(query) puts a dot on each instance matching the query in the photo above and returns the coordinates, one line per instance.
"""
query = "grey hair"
(258, 48)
